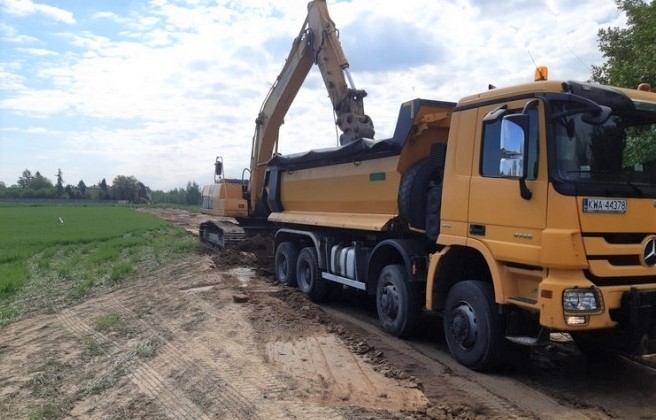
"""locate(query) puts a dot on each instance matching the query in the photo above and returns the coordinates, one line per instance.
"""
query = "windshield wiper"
(634, 186)
(624, 178)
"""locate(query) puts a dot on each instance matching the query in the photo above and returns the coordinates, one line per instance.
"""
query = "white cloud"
(41, 52)
(10, 81)
(28, 7)
(37, 103)
(108, 15)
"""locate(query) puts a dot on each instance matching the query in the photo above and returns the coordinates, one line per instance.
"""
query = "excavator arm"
(317, 43)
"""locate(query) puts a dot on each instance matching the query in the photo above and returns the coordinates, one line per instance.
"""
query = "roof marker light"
(541, 73)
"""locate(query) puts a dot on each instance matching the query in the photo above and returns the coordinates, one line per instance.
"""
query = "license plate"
(600, 205)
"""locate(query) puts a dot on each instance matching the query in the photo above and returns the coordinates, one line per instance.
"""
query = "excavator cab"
(225, 196)
(218, 169)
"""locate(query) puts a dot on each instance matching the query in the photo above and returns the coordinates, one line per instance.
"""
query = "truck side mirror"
(514, 161)
(512, 145)
(218, 168)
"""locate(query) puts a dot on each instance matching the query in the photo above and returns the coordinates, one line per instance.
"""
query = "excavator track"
(219, 234)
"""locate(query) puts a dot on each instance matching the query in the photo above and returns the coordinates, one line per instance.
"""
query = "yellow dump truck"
(514, 213)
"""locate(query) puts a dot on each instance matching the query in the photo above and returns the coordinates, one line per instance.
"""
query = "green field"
(45, 263)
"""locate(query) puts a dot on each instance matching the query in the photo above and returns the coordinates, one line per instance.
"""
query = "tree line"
(127, 188)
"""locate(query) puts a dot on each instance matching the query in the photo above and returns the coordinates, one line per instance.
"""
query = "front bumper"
(628, 307)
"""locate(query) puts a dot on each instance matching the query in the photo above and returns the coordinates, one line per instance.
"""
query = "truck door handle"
(477, 230)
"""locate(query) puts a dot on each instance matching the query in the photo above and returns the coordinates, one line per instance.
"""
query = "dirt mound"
(293, 305)
(254, 251)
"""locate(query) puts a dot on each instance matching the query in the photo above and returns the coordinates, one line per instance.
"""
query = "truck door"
(509, 225)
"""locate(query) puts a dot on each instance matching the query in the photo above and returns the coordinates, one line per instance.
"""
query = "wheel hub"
(304, 274)
(389, 301)
(464, 325)
(282, 267)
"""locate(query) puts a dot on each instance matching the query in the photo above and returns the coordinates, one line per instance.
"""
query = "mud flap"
(433, 207)
(639, 319)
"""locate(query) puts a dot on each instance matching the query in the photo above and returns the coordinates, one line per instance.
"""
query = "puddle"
(243, 274)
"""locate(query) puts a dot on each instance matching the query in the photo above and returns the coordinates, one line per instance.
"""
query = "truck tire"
(308, 275)
(473, 328)
(433, 209)
(396, 301)
(414, 190)
(285, 261)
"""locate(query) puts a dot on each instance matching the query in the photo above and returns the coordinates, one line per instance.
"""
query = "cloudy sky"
(157, 89)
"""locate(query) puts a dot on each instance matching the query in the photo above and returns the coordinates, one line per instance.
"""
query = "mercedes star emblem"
(649, 253)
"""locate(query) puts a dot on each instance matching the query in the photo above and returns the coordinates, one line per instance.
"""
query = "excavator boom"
(317, 43)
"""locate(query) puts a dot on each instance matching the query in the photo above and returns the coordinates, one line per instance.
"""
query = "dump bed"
(355, 186)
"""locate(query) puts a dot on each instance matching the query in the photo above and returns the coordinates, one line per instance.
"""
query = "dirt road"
(212, 336)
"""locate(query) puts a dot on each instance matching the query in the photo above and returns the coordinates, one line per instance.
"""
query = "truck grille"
(615, 259)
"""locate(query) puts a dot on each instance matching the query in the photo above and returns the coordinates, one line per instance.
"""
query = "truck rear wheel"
(396, 302)
(472, 325)
(308, 275)
(413, 193)
(285, 263)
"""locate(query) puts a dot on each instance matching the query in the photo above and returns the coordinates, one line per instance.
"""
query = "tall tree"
(60, 183)
(142, 193)
(124, 188)
(39, 182)
(104, 190)
(193, 193)
(630, 55)
(630, 52)
(129, 188)
(82, 187)
(24, 180)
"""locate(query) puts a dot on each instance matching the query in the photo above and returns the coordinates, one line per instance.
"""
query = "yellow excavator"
(244, 200)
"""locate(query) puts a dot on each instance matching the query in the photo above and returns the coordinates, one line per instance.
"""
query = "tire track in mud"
(242, 389)
(249, 377)
(150, 382)
(145, 375)
(335, 373)
(72, 322)
(511, 398)
(228, 402)
(25, 336)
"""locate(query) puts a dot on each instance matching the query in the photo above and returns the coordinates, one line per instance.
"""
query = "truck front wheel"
(308, 275)
(396, 301)
(472, 325)
(285, 263)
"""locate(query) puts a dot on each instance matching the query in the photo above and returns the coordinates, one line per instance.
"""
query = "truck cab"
(549, 198)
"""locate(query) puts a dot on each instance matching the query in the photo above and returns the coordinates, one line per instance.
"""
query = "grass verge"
(46, 264)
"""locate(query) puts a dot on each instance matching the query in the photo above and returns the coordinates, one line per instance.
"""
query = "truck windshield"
(605, 156)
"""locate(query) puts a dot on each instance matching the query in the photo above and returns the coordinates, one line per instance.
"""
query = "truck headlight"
(581, 300)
